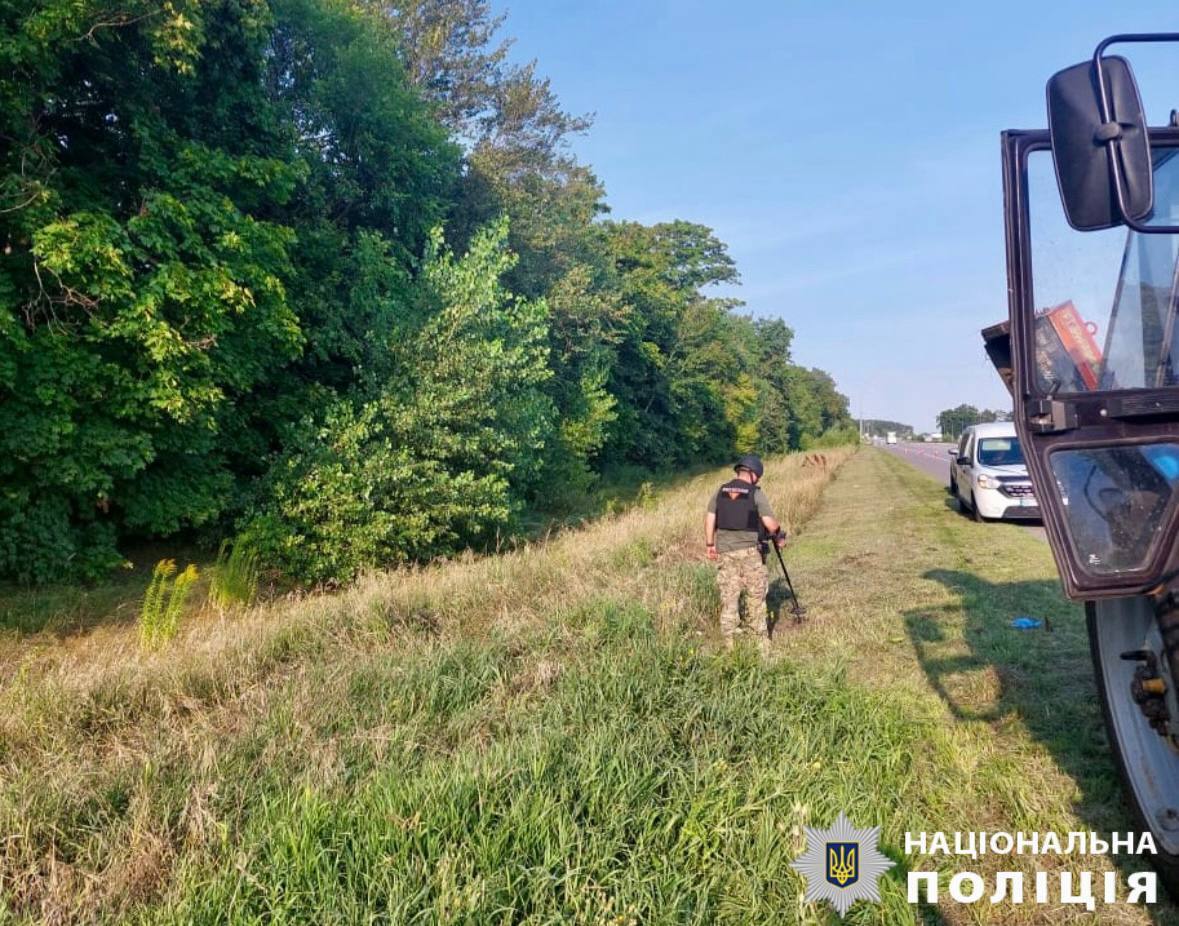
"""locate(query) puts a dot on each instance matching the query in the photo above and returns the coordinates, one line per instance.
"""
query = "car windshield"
(1105, 301)
(1000, 451)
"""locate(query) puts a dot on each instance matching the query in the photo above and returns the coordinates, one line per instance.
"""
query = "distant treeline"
(324, 275)
(953, 421)
(879, 427)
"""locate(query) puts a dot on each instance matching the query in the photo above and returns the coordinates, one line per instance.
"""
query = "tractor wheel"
(1148, 763)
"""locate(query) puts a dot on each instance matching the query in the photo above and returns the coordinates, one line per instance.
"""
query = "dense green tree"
(192, 194)
(378, 175)
(879, 427)
(832, 404)
(519, 164)
(779, 422)
(427, 462)
(142, 286)
(676, 356)
(953, 421)
(229, 291)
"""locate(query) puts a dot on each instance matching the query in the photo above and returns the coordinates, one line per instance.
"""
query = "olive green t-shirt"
(729, 541)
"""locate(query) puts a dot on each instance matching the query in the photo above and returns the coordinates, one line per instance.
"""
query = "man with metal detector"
(738, 527)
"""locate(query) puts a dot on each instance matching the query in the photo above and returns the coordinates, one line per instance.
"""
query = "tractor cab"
(1090, 352)
(1093, 358)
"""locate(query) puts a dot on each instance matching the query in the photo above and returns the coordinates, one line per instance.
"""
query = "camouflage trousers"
(742, 570)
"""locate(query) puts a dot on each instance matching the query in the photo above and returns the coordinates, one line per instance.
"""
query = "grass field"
(554, 735)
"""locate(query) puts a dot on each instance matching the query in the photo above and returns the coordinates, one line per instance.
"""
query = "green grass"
(654, 780)
(555, 736)
(63, 610)
(236, 575)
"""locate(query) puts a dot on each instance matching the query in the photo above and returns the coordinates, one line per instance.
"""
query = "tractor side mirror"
(1101, 147)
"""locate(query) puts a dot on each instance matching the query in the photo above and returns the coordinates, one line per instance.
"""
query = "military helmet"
(751, 462)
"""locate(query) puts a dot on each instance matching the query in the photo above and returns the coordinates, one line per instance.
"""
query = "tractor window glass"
(1000, 451)
(1105, 301)
(1116, 501)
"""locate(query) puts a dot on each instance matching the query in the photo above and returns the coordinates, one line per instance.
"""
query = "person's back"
(739, 516)
(739, 506)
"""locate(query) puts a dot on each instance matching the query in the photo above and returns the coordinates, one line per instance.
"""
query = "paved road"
(930, 458)
(935, 460)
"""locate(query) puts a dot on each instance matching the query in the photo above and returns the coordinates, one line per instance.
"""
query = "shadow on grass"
(955, 504)
(988, 672)
(952, 502)
(67, 608)
(780, 604)
(617, 490)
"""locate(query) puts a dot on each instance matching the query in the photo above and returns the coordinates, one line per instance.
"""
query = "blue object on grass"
(1025, 623)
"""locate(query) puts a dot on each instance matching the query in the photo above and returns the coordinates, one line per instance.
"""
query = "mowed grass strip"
(553, 736)
(910, 597)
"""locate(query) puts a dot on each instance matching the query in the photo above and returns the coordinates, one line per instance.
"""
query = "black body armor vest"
(735, 509)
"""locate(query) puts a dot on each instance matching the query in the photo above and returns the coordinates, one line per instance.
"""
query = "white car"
(988, 475)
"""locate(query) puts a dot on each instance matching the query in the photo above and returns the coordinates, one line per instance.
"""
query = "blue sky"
(847, 153)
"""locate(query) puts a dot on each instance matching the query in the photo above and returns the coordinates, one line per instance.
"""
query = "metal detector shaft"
(796, 605)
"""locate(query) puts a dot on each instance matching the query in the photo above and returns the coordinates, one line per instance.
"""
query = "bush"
(41, 539)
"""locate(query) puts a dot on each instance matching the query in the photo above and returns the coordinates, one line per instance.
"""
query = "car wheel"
(974, 512)
(1148, 764)
(953, 487)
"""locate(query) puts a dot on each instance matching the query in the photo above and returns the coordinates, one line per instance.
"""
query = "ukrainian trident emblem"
(842, 864)
(842, 867)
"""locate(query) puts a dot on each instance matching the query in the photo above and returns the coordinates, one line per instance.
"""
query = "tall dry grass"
(117, 765)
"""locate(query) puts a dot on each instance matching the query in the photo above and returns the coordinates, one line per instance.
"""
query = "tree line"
(879, 427)
(324, 275)
(953, 421)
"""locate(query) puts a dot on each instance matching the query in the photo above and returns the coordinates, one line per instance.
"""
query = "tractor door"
(1093, 345)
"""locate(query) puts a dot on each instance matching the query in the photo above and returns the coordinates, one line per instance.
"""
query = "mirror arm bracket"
(1107, 132)
(1110, 131)
(1045, 416)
